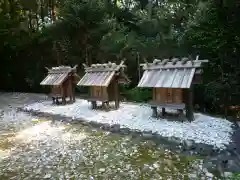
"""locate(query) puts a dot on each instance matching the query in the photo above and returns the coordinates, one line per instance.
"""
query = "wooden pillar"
(64, 93)
(116, 104)
(154, 111)
(73, 91)
(53, 100)
(116, 94)
(180, 111)
(189, 104)
(57, 102)
(64, 100)
(94, 104)
(105, 106)
(163, 112)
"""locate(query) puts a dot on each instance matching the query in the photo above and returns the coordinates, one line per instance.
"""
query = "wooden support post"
(116, 104)
(154, 111)
(64, 100)
(73, 90)
(57, 102)
(94, 104)
(116, 94)
(180, 111)
(73, 96)
(53, 100)
(105, 106)
(163, 112)
(189, 104)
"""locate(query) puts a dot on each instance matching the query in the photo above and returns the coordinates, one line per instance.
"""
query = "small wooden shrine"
(62, 81)
(172, 80)
(103, 81)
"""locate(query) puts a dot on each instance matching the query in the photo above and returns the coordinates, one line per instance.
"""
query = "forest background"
(35, 34)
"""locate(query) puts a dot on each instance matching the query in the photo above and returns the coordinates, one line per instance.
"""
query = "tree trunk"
(11, 9)
(53, 7)
(115, 3)
(5, 7)
(56, 53)
(150, 6)
(52, 4)
(30, 20)
(42, 11)
(36, 16)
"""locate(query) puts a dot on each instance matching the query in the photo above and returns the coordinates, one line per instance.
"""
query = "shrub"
(138, 94)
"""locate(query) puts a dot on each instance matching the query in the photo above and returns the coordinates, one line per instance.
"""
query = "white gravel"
(204, 129)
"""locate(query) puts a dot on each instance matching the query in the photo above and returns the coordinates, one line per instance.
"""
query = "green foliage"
(215, 35)
(235, 177)
(138, 95)
(100, 31)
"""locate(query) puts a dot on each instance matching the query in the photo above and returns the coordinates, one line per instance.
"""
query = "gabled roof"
(100, 74)
(170, 73)
(57, 75)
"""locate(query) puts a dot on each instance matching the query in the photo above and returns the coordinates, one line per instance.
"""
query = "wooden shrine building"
(103, 81)
(62, 82)
(171, 82)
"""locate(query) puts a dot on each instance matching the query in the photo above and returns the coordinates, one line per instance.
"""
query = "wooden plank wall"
(99, 92)
(69, 88)
(111, 90)
(178, 96)
(57, 90)
(104, 92)
(168, 95)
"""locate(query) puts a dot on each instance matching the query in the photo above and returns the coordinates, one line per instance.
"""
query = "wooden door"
(57, 90)
(160, 95)
(169, 95)
(178, 96)
(96, 91)
(104, 92)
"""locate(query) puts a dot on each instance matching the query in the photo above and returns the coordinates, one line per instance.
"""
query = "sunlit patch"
(73, 137)
(35, 120)
(45, 131)
(4, 154)
(39, 132)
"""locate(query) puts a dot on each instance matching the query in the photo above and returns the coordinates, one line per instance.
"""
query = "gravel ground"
(52, 151)
(204, 129)
(36, 148)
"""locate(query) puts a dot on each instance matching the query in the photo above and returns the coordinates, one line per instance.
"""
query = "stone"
(210, 175)
(232, 166)
(210, 166)
(147, 132)
(101, 170)
(147, 136)
(94, 124)
(47, 176)
(189, 144)
(192, 176)
(125, 131)
(227, 174)
(115, 128)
